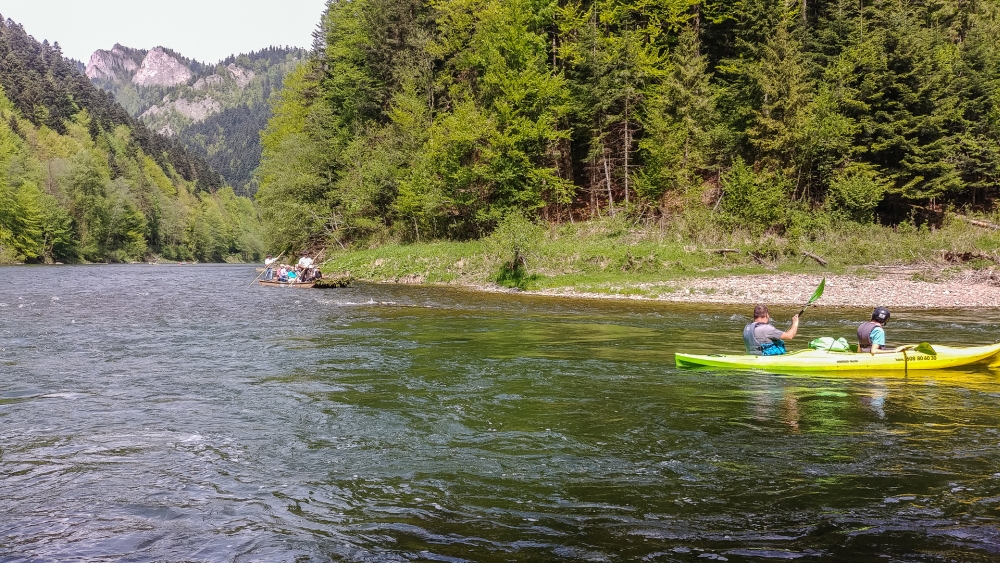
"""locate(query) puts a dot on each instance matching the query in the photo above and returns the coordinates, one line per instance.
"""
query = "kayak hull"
(825, 360)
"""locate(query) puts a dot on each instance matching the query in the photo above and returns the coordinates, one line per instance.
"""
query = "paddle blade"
(925, 348)
(818, 293)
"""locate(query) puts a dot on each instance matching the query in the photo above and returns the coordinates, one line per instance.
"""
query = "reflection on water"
(157, 413)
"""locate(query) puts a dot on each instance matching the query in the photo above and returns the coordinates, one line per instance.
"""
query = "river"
(169, 413)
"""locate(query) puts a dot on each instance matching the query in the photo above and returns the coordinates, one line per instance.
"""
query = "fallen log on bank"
(819, 259)
(959, 216)
(957, 257)
(977, 222)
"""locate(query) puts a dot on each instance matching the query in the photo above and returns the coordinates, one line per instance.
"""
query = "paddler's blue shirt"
(877, 337)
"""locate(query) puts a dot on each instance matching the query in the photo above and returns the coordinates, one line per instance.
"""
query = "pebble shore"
(900, 290)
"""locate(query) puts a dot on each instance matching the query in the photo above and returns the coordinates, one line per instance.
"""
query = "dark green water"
(172, 413)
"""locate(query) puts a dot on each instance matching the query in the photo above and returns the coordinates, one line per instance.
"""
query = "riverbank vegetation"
(845, 128)
(619, 255)
(80, 180)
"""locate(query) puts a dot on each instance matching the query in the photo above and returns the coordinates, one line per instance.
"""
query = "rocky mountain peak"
(161, 69)
(108, 64)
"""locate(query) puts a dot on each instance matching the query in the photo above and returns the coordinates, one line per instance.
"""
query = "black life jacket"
(864, 335)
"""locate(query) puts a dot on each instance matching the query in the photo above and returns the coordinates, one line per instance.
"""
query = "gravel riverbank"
(901, 289)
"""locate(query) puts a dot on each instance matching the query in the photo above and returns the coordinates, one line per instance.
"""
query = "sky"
(204, 30)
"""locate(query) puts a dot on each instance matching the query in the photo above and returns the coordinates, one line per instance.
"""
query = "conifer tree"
(678, 117)
(777, 134)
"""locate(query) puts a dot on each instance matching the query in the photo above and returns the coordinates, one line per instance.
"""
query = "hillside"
(417, 120)
(81, 179)
(216, 111)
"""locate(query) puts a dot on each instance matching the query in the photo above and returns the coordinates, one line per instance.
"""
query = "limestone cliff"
(156, 85)
(160, 69)
(195, 110)
(109, 65)
(241, 75)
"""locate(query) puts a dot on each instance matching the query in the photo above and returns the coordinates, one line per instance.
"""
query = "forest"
(81, 180)
(438, 119)
(230, 140)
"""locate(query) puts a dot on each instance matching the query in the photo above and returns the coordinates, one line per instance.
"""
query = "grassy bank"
(616, 256)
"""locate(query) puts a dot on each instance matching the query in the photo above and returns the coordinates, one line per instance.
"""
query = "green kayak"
(905, 358)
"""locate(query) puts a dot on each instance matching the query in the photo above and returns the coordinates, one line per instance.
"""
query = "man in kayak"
(871, 335)
(762, 339)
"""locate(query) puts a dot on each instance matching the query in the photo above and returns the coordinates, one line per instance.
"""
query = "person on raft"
(762, 339)
(871, 335)
(269, 268)
(306, 268)
(305, 262)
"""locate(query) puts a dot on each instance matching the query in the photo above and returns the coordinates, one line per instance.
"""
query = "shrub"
(514, 239)
(855, 192)
(754, 201)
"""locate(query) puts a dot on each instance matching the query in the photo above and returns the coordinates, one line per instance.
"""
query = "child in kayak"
(871, 335)
(762, 339)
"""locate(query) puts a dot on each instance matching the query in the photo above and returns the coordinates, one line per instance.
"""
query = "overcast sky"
(204, 30)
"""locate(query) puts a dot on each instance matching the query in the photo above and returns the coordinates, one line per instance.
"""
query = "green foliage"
(515, 236)
(77, 182)
(611, 256)
(293, 193)
(778, 127)
(419, 120)
(855, 192)
(753, 201)
(514, 242)
(115, 228)
(677, 121)
(514, 275)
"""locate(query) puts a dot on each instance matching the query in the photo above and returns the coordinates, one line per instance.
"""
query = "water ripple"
(168, 418)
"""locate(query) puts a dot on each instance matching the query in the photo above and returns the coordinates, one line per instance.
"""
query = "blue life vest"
(773, 348)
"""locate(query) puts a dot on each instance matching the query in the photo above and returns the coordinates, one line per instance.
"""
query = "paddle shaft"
(258, 276)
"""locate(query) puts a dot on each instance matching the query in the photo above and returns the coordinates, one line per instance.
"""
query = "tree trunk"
(687, 146)
(628, 145)
(696, 23)
(607, 176)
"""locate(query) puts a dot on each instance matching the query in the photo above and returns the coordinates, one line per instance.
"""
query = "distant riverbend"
(177, 413)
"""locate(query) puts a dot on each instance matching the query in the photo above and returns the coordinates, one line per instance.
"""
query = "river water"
(173, 413)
